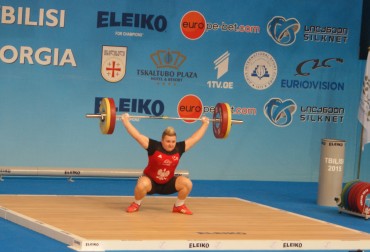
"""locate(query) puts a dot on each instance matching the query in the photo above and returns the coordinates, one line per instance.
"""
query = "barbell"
(221, 120)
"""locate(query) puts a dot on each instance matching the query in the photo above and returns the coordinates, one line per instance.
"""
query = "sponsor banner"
(292, 77)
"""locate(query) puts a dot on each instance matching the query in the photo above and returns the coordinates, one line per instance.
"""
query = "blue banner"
(288, 69)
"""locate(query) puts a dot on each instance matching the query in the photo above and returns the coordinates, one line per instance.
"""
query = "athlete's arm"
(197, 135)
(140, 138)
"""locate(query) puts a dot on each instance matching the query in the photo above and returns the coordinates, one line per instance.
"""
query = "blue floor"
(297, 197)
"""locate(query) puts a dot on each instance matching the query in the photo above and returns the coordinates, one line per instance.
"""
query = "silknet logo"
(190, 106)
(283, 31)
(193, 25)
(279, 112)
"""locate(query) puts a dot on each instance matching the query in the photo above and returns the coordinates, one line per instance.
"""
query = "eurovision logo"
(113, 63)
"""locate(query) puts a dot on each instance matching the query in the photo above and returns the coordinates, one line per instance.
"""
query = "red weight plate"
(224, 122)
(222, 130)
(218, 121)
(215, 124)
(366, 204)
(347, 195)
(352, 196)
(361, 196)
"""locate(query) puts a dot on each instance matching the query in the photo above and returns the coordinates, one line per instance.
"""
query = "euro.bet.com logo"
(193, 25)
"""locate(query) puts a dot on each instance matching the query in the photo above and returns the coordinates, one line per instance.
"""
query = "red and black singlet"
(161, 163)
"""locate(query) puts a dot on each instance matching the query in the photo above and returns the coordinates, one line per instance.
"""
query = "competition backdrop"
(289, 69)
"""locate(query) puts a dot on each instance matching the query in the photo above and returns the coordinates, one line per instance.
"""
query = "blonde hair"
(169, 131)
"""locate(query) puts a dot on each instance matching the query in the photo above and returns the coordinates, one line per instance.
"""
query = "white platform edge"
(97, 245)
(39, 227)
(78, 243)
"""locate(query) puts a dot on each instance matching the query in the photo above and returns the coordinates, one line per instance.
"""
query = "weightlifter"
(163, 157)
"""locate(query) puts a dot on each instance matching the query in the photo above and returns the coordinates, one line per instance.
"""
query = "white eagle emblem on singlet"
(162, 174)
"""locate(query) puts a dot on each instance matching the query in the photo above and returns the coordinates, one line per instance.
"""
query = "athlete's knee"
(144, 184)
(183, 183)
(189, 184)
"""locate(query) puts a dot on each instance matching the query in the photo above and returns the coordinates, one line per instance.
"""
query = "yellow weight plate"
(107, 122)
(227, 119)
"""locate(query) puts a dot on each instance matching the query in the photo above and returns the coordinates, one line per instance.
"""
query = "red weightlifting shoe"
(133, 208)
(181, 209)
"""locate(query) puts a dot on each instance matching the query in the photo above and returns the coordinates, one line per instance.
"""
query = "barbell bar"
(118, 118)
(222, 120)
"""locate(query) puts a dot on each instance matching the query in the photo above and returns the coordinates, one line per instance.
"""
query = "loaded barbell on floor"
(221, 120)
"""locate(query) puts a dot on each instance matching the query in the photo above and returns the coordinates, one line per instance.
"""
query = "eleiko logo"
(137, 20)
(135, 105)
(193, 25)
(283, 31)
(190, 106)
(279, 112)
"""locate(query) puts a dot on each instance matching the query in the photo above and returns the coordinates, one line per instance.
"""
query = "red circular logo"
(190, 106)
(193, 25)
